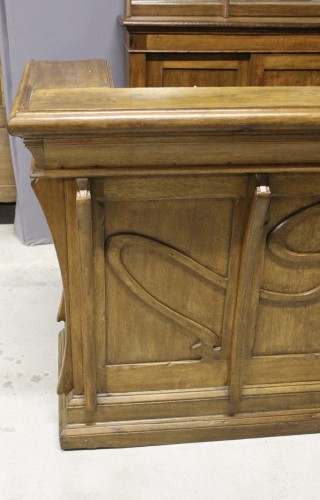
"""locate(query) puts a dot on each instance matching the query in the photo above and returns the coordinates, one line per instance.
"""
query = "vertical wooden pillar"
(84, 220)
(249, 288)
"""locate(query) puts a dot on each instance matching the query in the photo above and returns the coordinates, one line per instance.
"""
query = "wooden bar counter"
(186, 223)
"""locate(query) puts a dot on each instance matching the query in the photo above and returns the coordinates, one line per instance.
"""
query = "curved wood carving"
(115, 245)
(277, 244)
(314, 293)
(277, 239)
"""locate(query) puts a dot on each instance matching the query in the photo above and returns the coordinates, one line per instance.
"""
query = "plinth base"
(83, 430)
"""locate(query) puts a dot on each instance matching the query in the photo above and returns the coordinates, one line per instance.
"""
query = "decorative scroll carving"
(209, 341)
(278, 245)
(277, 239)
(314, 293)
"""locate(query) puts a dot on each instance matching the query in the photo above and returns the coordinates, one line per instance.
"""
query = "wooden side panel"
(285, 70)
(50, 194)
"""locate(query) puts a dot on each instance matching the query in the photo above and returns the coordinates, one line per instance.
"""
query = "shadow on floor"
(7, 211)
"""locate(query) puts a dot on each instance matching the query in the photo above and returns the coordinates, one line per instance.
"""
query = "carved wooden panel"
(291, 281)
(168, 269)
(283, 344)
(171, 252)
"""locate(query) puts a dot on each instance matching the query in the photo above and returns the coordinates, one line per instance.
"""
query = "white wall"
(52, 30)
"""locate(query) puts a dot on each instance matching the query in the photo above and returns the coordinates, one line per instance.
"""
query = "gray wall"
(52, 30)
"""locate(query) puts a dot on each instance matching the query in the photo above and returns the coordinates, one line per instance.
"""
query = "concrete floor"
(32, 466)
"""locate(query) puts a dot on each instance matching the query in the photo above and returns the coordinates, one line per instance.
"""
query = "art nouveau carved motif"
(279, 245)
(278, 239)
(172, 289)
(122, 253)
(291, 284)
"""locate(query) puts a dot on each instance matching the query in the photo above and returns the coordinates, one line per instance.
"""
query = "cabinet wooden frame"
(222, 8)
(163, 35)
(186, 223)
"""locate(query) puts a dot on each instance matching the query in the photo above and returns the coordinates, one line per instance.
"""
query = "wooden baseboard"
(82, 430)
(187, 430)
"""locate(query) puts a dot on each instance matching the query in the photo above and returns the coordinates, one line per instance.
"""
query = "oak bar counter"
(186, 223)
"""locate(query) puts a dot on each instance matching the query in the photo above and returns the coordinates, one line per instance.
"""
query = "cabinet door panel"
(216, 71)
(285, 70)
